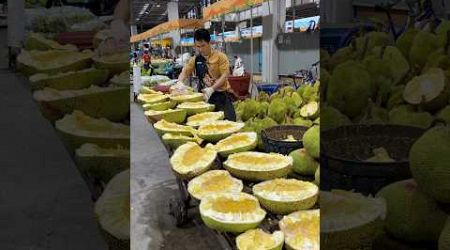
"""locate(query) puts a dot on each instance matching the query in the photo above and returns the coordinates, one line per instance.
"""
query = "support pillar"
(272, 25)
(173, 14)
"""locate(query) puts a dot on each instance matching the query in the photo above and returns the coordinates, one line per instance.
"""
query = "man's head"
(202, 40)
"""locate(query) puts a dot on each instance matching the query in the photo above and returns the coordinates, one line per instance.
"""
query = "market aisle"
(44, 203)
(152, 186)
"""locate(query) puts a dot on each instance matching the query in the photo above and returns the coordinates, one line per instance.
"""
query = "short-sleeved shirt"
(217, 63)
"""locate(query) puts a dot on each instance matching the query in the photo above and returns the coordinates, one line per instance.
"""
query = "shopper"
(212, 69)
(238, 69)
(146, 58)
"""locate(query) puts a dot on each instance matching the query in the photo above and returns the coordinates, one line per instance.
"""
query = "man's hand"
(207, 92)
(208, 81)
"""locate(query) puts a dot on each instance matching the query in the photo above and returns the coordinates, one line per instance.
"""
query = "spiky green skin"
(73, 141)
(404, 42)
(411, 215)
(423, 44)
(176, 117)
(70, 65)
(235, 228)
(193, 111)
(429, 160)
(102, 167)
(113, 105)
(444, 238)
(113, 68)
(159, 106)
(355, 238)
(251, 175)
(311, 141)
(70, 80)
(226, 153)
(283, 207)
(304, 164)
(317, 176)
(444, 114)
(358, 85)
(332, 118)
(405, 115)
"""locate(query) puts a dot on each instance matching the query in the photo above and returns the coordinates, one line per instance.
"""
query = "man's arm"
(187, 69)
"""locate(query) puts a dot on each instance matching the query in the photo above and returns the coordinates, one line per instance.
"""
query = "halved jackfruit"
(115, 63)
(214, 181)
(170, 115)
(164, 126)
(204, 118)
(302, 230)
(218, 130)
(257, 239)
(235, 143)
(190, 160)
(69, 80)
(36, 41)
(257, 166)
(111, 102)
(53, 61)
(285, 196)
(231, 212)
(194, 97)
(176, 140)
(196, 107)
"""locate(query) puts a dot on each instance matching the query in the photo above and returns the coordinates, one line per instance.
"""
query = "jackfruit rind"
(257, 166)
(112, 211)
(285, 196)
(317, 176)
(115, 63)
(122, 79)
(69, 80)
(102, 163)
(231, 212)
(310, 110)
(101, 36)
(52, 61)
(444, 239)
(349, 220)
(77, 129)
(36, 41)
(405, 40)
(159, 106)
(302, 230)
(218, 130)
(204, 118)
(152, 98)
(428, 89)
(214, 181)
(429, 159)
(170, 115)
(235, 143)
(258, 239)
(424, 43)
(311, 141)
(304, 164)
(190, 160)
(444, 114)
(111, 102)
(194, 97)
(163, 126)
(411, 215)
(193, 108)
(176, 140)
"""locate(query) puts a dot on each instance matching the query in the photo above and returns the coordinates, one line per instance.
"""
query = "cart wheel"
(178, 210)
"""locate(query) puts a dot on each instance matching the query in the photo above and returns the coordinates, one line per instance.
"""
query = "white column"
(173, 14)
(16, 23)
(272, 25)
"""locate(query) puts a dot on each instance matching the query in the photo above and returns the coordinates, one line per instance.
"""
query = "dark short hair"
(202, 35)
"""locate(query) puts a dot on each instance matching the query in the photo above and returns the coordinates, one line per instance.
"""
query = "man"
(147, 60)
(212, 69)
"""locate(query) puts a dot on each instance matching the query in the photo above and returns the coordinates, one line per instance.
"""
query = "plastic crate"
(268, 88)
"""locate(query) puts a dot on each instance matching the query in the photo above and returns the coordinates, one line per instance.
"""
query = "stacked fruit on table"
(86, 98)
(200, 136)
(376, 80)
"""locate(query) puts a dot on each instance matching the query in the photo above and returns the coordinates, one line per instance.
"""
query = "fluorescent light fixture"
(144, 8)
(158, 5)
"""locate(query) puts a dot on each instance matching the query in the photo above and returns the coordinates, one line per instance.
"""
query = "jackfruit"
(277, 110)
(311, 141)
(405, 115)
(424, 43)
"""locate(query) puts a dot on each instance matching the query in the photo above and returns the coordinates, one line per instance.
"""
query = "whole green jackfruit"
(311, 141)
(444, 114)
(332, 118)
(444, 239)
(250, 109)
(277, 110)
(405, 41)
(350, 88)
(340, 56)
(429, 161)
(411, 215)
(424, 44)
(395, 97)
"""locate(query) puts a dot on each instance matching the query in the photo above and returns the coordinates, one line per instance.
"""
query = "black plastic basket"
(344, 151)
(273, 138)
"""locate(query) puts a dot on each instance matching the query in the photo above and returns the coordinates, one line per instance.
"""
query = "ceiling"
(156, 12)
